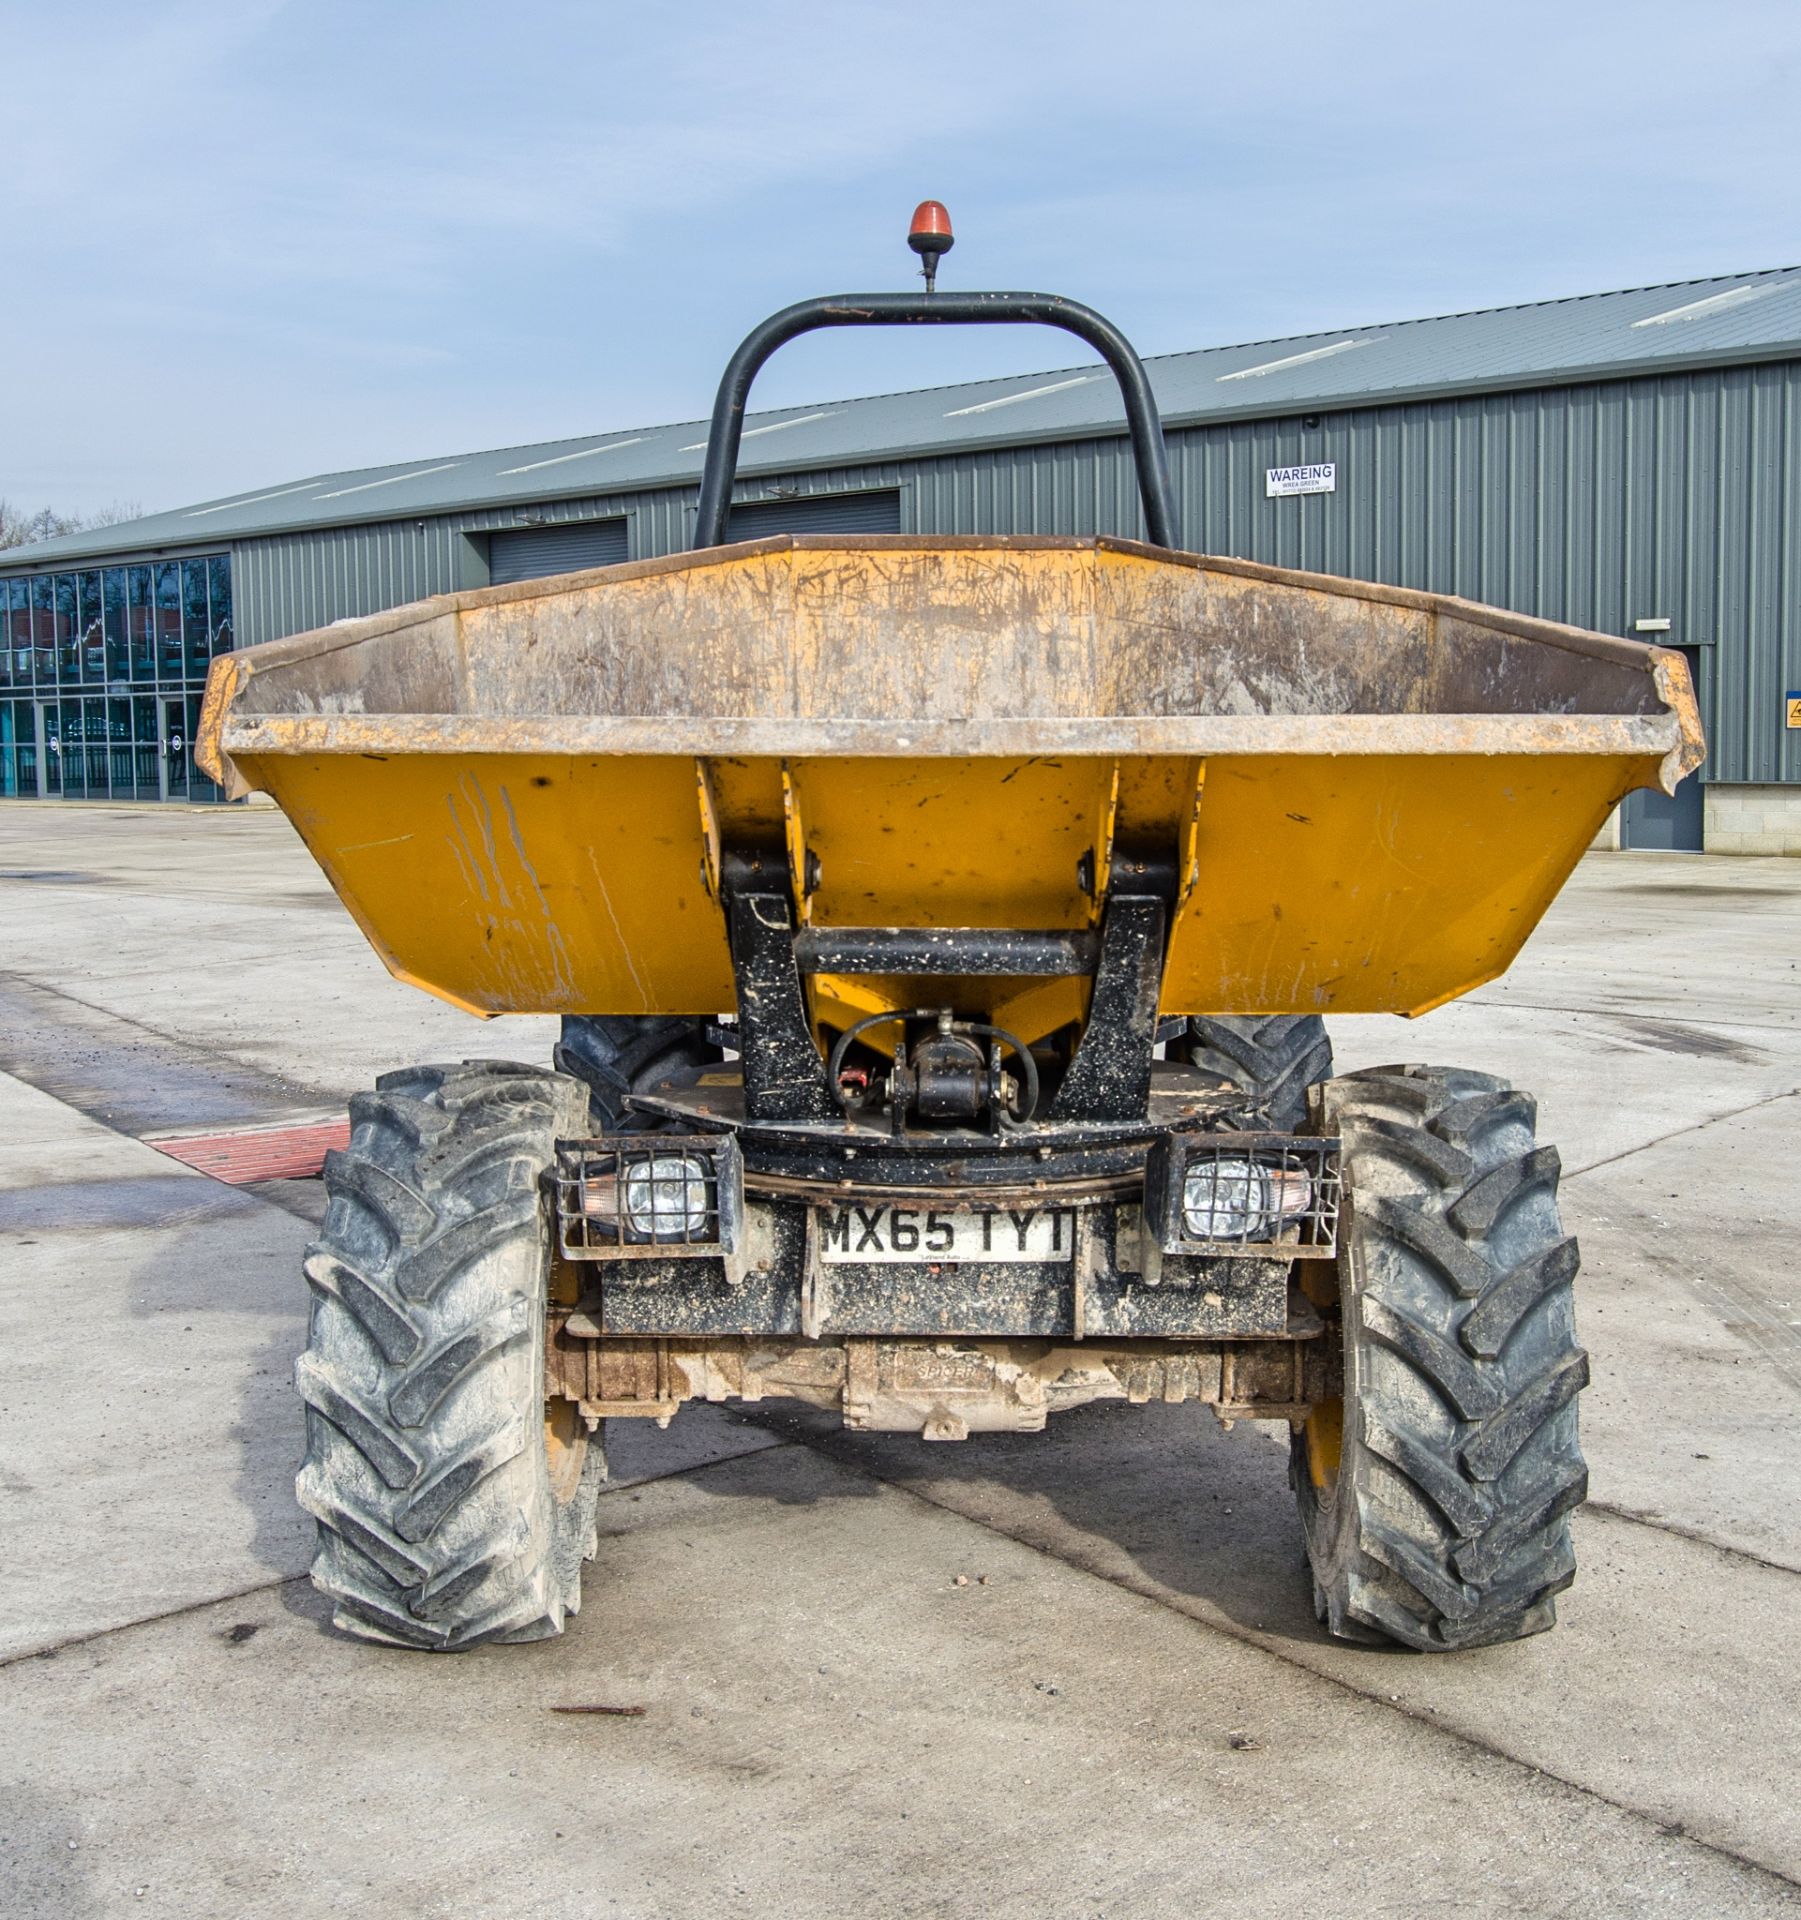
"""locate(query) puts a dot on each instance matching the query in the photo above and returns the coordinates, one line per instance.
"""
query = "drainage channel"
(250, 1129)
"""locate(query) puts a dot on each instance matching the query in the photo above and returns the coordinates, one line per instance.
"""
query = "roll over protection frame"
(913, 309)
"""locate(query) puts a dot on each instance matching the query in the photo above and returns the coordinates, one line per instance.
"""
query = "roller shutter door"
(873, 512)
(529, 553)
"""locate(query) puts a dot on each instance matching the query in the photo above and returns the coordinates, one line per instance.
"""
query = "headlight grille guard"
(1305, 1233)
(667, 1178)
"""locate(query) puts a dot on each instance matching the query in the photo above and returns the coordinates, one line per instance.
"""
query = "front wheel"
(455, 1505)
(1435, 1496)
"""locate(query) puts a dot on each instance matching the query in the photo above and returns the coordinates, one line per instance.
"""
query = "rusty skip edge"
(938, 1388)
(1663, 736)
(1676, 689)
(222, 681)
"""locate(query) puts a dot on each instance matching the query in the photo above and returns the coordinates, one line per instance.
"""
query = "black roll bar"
(914, 309)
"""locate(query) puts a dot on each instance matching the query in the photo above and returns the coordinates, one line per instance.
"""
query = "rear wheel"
(1276, 1057)
(616, 1055)
(455, 1505)
(1436, 1494)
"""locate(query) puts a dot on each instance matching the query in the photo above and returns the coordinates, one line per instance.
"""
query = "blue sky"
(248, 242)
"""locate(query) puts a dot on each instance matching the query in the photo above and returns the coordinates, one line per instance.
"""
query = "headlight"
(667, 1198)
(631, 1196)
(653, 1197)
(1241, 1200)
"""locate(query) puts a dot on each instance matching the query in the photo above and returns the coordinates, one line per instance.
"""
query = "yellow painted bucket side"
(517, 883)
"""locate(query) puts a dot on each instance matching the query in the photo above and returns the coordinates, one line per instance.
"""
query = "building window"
(101, 673)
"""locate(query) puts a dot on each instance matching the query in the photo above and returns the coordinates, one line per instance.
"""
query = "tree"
(20, 528)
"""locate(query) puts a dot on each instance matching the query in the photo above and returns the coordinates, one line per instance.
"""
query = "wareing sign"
(1279, 481)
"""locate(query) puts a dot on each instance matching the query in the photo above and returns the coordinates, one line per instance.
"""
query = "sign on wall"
(1320, 478)
(1794, 711)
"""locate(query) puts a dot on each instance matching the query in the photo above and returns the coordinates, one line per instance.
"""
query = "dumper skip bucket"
(1369, 795)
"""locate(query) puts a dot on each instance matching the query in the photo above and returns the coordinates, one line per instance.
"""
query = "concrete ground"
(1128, 1710)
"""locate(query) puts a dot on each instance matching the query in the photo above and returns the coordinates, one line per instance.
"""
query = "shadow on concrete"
(45, 1867)
(1161, 1500)
(218, 1262)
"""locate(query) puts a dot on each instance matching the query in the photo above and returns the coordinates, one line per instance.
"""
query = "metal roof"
(1601, 336)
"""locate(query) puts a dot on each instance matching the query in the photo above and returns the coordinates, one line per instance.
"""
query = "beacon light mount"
(931, 238)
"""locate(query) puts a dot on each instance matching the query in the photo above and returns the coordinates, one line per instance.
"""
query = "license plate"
(941, 1235)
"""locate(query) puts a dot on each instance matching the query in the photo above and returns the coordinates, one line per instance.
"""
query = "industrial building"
(1627, 461)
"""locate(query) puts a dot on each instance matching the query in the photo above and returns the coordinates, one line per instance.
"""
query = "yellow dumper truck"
(941, 930)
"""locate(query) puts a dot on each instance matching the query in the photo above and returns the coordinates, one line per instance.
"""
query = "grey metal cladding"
(290, 585)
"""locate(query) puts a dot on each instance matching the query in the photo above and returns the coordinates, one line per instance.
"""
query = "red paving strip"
(259, 1153)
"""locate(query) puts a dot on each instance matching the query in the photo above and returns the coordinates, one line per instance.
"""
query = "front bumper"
(755, 1263)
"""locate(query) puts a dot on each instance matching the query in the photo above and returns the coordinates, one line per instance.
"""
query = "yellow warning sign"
(1793, 701)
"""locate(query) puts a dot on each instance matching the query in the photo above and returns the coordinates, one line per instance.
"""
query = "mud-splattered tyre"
(1436, 1495)
(454, 1504)
(1277, 1057)
(617, 1055)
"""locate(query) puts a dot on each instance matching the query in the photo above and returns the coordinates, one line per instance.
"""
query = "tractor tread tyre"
(1446, 1521)
(1277, 1057)
(427, 1466)
(617, 1055)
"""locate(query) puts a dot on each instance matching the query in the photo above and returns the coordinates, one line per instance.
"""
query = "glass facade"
(101, 674)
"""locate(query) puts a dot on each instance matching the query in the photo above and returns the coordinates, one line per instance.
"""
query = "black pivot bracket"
(784, 1076)
(1110, 1076)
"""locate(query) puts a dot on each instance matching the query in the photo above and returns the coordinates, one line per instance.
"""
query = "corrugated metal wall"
(1599, 505)
(288, 583)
